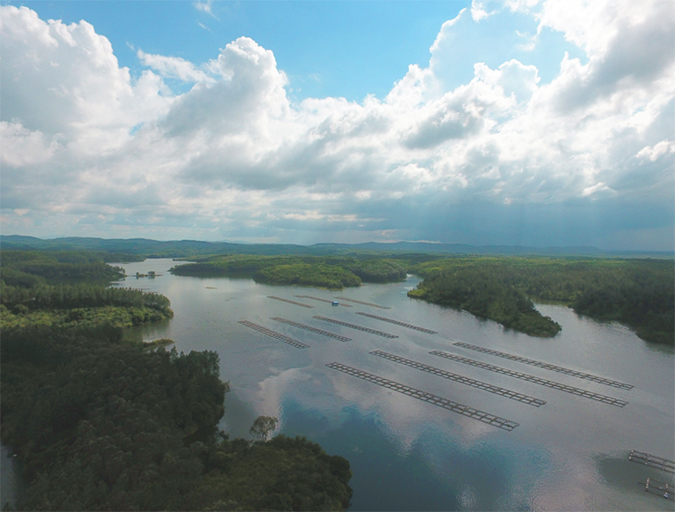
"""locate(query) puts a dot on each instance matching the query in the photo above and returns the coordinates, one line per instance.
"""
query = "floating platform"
(312, 329)
(531, 378)
(364, 303)
(513, 395)
(322, 300)
(358, 327)
(290, 301)
(546, 366)
(402, 324)
(273, 334)
(652, 460)
(659, 488)
(438, 401)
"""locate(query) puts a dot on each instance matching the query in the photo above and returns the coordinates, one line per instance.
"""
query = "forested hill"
(334, 272)
(186, 248)
(637, 292)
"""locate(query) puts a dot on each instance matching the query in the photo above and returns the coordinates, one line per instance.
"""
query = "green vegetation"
(485, 296)
(306, 274)
(333, 272)
(70, 290)
(638, 293)
(103, 423)
(263, 426)
(100, 423)
(281, 474)
(31, 268)
(144, 247)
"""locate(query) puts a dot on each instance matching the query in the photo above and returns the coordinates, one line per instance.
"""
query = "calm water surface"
(569, 454)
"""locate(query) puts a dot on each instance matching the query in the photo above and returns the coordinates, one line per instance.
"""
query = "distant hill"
(427, 247)
(187, 248)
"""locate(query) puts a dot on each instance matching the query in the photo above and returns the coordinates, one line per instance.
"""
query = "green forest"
(70, 289)
(636, 292)
(99, 422)
(333, 272)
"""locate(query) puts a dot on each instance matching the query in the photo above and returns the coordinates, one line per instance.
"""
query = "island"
(332, 272)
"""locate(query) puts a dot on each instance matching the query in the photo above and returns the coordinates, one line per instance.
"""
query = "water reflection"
(410, 455)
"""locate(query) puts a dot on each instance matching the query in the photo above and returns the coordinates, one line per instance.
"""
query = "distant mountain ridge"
(187, 248)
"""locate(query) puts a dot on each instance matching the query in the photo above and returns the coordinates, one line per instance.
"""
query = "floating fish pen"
(546, 366)
(312, 329)
(290, 301)
(358, 327)
(652, 460)
(273, 334)
(531, 378)
(402, 324)
(438, 401)
(364, 303)
(659, 488)
(322, 300)
(513, 395)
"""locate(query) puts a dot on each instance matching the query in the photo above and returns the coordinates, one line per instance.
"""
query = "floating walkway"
(322, 300)
(531, 378)
(403, 324)
(290, 301)
(652, 460)
(312, 329)
(273, 334)
(536, 402)
(358, 327)
(438, 401)
(364, 303)
(546, 366)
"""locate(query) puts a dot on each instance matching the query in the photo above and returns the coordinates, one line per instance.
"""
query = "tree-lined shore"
(636, 292)
(100, 422)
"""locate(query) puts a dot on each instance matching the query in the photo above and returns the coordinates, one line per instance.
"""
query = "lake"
(406, 454)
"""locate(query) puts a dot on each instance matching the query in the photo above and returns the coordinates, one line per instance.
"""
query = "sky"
(515, 122)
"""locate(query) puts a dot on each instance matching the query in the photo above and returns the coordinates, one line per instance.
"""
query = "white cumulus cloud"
(86, 146)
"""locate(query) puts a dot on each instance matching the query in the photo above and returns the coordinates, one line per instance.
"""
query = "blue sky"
(512, 122)
(344, 49)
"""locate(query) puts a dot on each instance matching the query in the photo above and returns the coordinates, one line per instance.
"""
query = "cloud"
(204, 6)
(653, 153)
(173, 67)
(478, 11)
(86, 146)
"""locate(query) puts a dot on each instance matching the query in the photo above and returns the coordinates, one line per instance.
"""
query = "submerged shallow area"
(407, 454)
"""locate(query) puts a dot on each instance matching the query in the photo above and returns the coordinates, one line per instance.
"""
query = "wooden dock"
(438, 401)
(531, 378)
(364, 303)
(402, 324)
(357, 327)
(311, 329)
(290, 301)
(273, 334)
(513, 395)
(652, 460)
(321, 300)
(546, 366)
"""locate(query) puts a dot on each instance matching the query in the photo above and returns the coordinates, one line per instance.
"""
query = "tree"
(263, 426)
